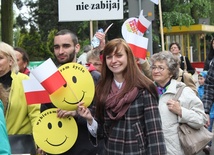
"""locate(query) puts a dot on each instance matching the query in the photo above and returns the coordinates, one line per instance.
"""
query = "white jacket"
(192, 114)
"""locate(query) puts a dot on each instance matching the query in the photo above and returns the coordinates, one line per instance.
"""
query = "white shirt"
(93, 128)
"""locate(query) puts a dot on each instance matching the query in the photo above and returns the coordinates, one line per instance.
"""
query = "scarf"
(6, 80)
(117, 107)
(26, 71)
(162, 90)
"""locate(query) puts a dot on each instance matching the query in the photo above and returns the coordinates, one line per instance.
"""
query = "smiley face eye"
(49, 126)
(74, 79)
(59, 124)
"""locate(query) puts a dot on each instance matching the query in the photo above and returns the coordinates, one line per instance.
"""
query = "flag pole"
(91, 30)
(161, 26)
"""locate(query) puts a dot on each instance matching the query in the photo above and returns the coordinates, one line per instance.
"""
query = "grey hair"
(172, 62)
(93, 54)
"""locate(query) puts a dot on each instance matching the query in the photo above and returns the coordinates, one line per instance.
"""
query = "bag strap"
(185, 64)
(178, 94)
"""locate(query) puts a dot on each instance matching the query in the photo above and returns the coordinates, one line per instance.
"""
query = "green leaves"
(185, 12)
(177, 19)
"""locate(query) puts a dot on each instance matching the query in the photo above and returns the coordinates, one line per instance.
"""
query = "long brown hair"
(132, 75)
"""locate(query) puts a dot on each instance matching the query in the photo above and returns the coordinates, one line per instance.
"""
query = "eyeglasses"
(94, 64)
(97, 64)
(158, 68)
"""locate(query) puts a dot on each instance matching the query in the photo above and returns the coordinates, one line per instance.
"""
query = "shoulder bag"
(192, 140)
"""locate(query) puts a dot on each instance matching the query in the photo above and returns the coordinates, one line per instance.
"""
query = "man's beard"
(71, 58)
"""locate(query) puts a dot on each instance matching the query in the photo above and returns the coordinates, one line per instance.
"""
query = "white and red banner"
(155, 1)
(138, 44)
(49, 76)
(44, 80)
(133, 30)
(34, 92)
(143, 23)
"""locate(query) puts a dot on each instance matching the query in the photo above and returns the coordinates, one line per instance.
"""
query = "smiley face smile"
(57, 144)
(77, 101)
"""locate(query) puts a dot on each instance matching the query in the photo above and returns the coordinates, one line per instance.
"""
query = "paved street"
(212, 148)
(211, 153)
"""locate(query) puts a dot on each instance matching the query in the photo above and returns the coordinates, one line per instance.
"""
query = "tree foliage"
(185, 12)
(44, 23)
(36, 49)
(180, 13)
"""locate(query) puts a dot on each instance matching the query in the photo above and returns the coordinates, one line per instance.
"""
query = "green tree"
(180, 13)
(185, 12)
(44, 15)
(31, 41)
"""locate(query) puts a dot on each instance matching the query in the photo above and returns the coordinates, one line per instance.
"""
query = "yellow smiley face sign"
(79, 87)
(54, 135)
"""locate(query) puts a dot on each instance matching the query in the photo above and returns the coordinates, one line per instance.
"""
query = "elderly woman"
(93, 58)
(189, 109)
(182, 76)
(19, 116)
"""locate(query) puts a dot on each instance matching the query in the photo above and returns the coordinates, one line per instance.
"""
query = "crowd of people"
(133, 111)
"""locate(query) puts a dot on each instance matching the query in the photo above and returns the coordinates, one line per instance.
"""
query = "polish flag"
(143, 23)
(34, 92)
(90, 67)
(155, 1)
(49, 76)
(138, 44)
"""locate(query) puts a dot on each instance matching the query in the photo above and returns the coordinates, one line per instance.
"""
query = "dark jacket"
(189, 68)
(208, 97)
(207, 64)
(139, 132)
